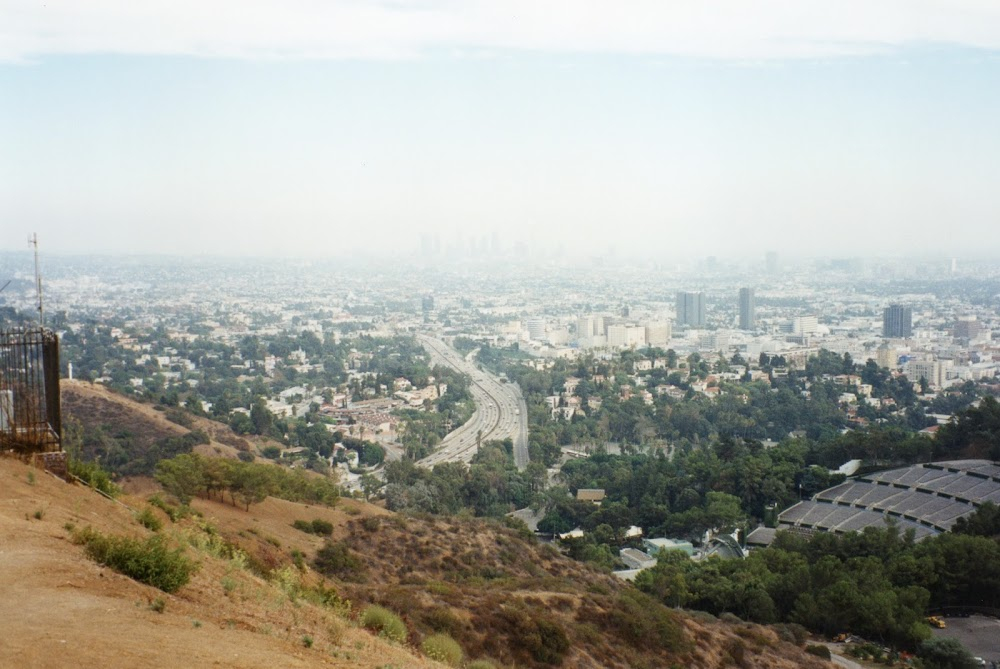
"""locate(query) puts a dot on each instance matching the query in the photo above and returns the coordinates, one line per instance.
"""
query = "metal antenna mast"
(33, 241)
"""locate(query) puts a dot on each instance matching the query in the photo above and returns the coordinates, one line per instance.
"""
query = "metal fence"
(30, 418)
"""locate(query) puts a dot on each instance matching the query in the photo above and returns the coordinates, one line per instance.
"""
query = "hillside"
(499, 595)
(61, 609)
(131, 436)
(258, 599)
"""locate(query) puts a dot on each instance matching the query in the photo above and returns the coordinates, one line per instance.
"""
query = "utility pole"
(33, 241)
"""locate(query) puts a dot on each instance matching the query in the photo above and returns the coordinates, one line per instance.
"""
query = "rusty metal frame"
(30, 415)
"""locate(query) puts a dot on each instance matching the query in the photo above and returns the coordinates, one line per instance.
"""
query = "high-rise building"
(536, 328)
(805, 325)
(886, 356)
(748, 305)
(935, 372)
(691, 309)
(967, 328)
(897, 321)
(617, 335)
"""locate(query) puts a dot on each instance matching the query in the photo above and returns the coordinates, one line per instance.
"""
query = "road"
(500, 411)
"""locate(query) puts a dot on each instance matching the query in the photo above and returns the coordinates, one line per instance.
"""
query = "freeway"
(500, 411)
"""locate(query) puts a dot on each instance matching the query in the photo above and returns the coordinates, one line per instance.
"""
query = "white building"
(536, 328)
(934, 371)
(658, 333)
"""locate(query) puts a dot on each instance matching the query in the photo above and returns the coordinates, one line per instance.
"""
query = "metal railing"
(30, 416)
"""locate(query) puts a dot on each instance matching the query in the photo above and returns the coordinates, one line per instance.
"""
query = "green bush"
(385, 622)
(92, 474)
(336, 559)
(148, 561)
(322, 527)
(819, 651)
(148, 519)
(443, 648)
(317, 526)
(174, 513)
(945, 653)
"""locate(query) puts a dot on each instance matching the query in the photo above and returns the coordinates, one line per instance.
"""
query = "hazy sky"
(666, 128)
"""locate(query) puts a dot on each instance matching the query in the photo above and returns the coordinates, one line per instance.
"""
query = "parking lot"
(981, 635)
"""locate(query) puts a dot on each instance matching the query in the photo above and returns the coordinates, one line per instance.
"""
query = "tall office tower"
(897, 321)
(536, 328)
(748, 305)
(691, 309)
(584, 328)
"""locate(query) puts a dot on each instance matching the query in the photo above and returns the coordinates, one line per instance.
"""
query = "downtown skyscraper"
(748, 307)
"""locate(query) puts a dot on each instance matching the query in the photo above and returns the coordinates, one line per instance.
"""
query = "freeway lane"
(500, 411)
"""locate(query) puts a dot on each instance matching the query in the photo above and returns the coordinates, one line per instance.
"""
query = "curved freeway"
(500, 411)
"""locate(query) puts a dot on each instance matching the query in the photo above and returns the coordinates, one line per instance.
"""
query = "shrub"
(148, 561)
(792, 633)
(91, 474)
(737, 652)
(322, 527)
(443, 648)
(336, 559)
(536, 633)
(159, 605)
(149, 520)
(945, 653)
(481, 664)
(174, 513)
(818, 650)
(371, 523)
(441, 619)
(642, 621)
(317, 526)
(179, 416)
(386, 623)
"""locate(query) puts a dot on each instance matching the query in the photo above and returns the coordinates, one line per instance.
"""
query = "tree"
(182, 476)
(261, 417)
(945, 653)
(666, 581)
(250, 483)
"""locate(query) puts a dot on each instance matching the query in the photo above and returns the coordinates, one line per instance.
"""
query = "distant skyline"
(663, 129)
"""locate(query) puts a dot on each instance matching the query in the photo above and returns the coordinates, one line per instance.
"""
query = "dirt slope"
(61, 609)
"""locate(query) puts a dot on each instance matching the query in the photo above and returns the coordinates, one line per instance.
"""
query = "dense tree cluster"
(877, 583)
(490, 486)
(188, 475)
